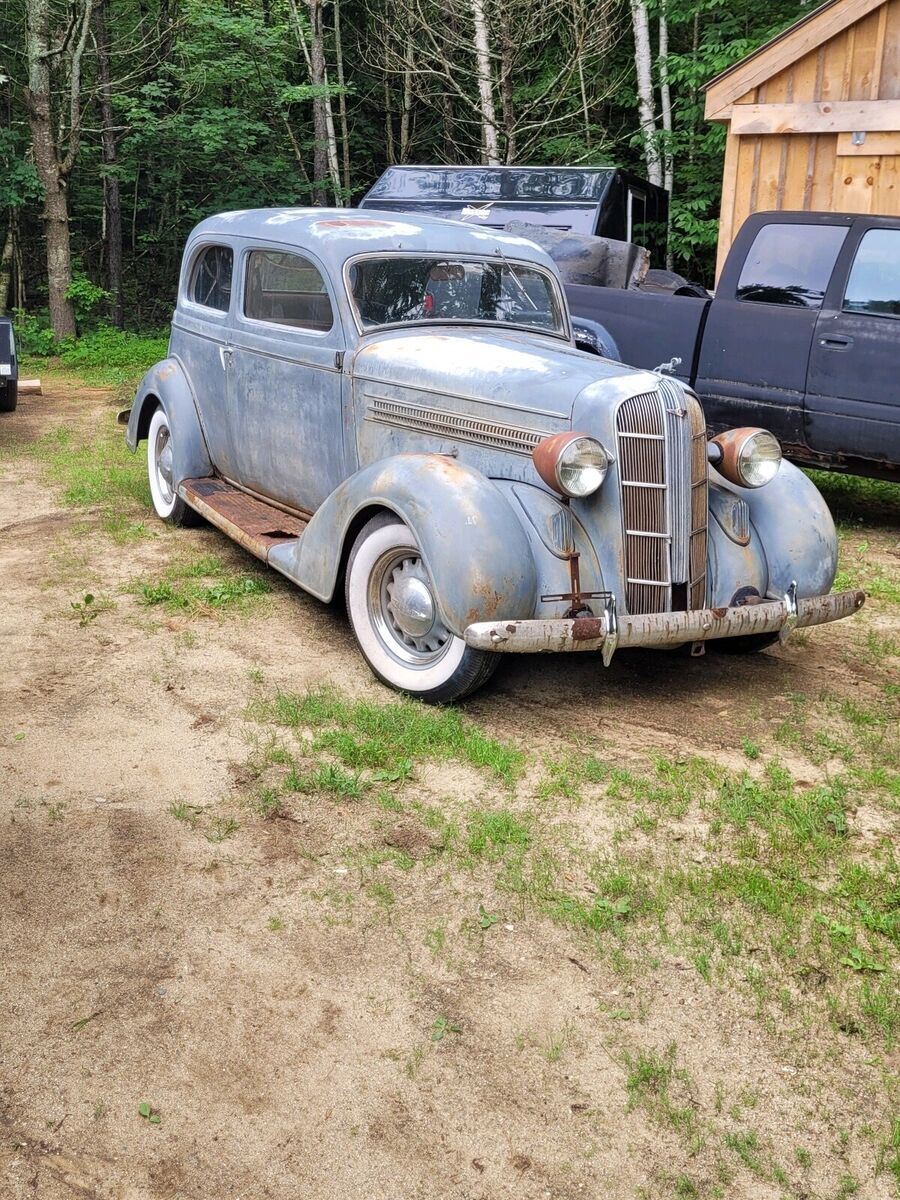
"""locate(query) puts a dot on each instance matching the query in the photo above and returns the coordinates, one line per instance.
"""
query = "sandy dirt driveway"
(357, 985)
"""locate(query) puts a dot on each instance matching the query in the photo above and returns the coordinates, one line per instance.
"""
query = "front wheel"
(394, 615)
(161, 472)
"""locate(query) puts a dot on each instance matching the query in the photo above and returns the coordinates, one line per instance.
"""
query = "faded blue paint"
(167, 384)
(472, 541)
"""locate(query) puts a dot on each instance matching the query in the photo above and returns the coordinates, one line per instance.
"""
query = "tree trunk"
(6, 265)
(665, 96)
(646, 102)
(320, 120)
(507, 106)
(47, 165)
(489, 141)
(112, 203)
(406, 110)
(342, 100)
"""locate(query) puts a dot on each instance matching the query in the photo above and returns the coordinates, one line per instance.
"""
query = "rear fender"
(166, 384)
(473, 545)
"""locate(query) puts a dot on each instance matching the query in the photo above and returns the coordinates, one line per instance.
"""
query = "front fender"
(167, 384)
(795, 530)
(473, 544)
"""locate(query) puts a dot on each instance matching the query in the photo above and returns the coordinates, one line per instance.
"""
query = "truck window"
(791, 264)
(874, 283)
(286, 289)
(211, 278)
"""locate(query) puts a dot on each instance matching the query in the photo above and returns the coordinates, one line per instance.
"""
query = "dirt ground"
(280, 1014)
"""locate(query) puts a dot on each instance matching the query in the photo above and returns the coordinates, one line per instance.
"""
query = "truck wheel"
(9, 396)
(394, 615)
(160, 470)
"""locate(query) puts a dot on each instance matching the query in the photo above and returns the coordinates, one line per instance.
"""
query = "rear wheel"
(161, 473)
(9, 395)
(394, 614)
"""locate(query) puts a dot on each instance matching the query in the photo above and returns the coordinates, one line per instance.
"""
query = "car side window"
(211, 278)
(791, 264)
(874, 283)
(286, 289)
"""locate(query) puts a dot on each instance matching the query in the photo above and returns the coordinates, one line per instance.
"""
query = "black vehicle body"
(818, 365)
(9, 367)
(596, 201)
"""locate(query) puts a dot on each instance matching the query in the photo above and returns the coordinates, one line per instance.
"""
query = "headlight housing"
(574, 464)
(748, 457)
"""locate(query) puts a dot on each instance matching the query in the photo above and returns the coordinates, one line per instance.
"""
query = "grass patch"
(388, 738)
(104, 357)
(202, 585)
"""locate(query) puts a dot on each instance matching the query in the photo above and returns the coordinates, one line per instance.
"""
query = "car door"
(200, 337)
(285, 394)
(759, 331)
(853, 395)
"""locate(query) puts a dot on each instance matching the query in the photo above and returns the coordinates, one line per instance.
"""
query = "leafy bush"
(34, 337)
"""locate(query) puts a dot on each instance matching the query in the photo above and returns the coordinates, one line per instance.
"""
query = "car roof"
(336, 234)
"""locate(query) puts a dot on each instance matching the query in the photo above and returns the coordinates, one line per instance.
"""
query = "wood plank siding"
(813, 118)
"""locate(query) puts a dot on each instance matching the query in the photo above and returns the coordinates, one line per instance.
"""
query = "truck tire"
(9, 396)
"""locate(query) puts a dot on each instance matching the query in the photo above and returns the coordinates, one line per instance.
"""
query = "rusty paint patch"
(587, 629)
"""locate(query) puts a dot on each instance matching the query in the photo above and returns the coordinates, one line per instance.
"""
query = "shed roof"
(805, 35)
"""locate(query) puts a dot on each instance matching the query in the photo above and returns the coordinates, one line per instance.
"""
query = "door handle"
(225, 354)
(836, 341)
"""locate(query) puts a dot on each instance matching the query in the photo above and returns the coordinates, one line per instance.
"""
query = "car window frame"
(448, 322)
(857, 244)
(336, 330)
(198, 249)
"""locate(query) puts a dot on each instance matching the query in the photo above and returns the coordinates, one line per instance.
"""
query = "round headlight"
(748, 457)
(572, 463)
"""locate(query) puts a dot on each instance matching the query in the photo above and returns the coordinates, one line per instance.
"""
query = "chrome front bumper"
(611, 631)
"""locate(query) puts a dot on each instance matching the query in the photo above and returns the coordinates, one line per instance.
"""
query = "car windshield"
(391, 290)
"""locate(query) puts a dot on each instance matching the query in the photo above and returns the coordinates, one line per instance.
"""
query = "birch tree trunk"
(52, 162)
(406, 110)
(665, 96)
(342, 99)
(6, 265)
(112, 203)
(490, 141)
(646, 103)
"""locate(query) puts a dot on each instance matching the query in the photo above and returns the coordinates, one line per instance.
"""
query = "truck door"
(853, 396)
(756, 344)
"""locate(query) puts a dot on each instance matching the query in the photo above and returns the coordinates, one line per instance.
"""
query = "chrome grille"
(662, 474)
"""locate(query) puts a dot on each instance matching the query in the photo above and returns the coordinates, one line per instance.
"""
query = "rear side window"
(211, 278)
(874, 284)
(791, 264)
(286, 289)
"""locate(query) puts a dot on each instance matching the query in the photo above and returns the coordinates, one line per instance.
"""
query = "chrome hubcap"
(164, 464)
(403, 610)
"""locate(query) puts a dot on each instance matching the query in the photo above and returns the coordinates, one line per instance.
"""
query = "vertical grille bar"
(663, 478)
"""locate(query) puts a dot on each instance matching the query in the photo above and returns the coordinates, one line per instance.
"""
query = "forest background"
(127, 121)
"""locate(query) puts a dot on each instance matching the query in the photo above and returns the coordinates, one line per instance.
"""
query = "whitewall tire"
(394, 614)
(161, 473)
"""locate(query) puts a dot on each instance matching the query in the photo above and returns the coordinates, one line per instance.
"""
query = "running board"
(252, 523)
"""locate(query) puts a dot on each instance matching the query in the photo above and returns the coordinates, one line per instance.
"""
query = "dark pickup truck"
(9, 371)
(802, 337)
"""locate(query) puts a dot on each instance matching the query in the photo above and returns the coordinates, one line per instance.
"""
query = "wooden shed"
(813, 117)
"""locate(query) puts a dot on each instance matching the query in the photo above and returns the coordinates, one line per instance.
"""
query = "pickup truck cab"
(394, 406)
(802, 337)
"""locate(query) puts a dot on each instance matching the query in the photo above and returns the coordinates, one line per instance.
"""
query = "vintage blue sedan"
(396, 406)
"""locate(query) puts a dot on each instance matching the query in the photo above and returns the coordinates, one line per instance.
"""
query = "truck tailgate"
(649, 329)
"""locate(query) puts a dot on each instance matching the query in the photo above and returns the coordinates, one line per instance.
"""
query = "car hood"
(530, 372)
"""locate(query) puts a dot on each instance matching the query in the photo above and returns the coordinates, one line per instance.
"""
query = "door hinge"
(339, 360)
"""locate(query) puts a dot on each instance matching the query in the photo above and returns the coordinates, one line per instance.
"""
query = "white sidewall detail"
(408, 679)
(163, 507)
